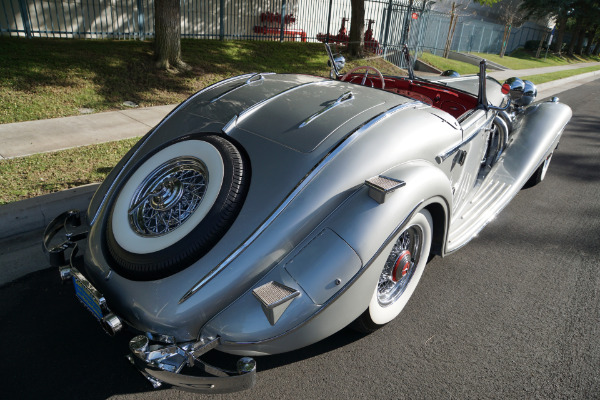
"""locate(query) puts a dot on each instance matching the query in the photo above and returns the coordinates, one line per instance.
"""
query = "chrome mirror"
(529, 94)
(336, 62)
(514, 87)
(339, 61)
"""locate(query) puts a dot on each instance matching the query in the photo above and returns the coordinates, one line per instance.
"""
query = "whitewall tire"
(175, 205)
(401, 273)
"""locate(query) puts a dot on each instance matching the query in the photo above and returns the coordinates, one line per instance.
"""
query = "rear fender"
(336, 269)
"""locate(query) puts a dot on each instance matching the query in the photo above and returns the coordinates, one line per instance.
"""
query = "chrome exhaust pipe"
(111, 324)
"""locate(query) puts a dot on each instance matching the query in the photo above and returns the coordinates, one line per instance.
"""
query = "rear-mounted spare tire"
(175, 206)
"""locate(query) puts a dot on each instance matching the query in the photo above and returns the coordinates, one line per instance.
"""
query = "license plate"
(87, 296)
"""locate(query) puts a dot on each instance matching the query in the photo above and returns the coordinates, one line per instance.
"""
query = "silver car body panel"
(311, 143)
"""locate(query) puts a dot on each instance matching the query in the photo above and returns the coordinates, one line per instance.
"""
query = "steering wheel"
(367, 68)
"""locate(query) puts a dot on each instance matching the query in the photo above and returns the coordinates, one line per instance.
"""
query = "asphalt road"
(514, 314)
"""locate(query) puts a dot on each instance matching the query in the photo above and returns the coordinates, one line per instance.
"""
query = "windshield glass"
(345, 62)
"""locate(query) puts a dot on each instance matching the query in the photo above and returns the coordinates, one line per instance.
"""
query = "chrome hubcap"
(400, 266)
(168, 196)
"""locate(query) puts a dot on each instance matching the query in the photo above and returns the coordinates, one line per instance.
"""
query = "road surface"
(514, 314)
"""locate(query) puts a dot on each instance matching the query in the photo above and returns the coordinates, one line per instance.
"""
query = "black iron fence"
(389, 23)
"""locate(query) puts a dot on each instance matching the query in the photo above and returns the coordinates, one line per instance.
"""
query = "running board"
(536, 136)
(487, 202)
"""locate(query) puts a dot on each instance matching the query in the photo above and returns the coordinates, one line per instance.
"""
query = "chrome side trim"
(255, 78)
(443, 156)
(350, 138)
(472, 120)
(345, 97)
(144, 140)
(255, 107)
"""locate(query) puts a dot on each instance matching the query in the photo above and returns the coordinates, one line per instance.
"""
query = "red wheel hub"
(402, 266)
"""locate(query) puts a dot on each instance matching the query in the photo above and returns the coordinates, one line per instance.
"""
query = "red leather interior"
(453, 102)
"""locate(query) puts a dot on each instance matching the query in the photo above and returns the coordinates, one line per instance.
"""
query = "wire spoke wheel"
(402, 269)
(400, 266)
(168, 197)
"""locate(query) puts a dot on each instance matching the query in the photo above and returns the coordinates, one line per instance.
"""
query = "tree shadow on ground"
(69, 74)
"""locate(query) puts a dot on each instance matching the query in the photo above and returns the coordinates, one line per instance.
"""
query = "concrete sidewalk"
(503, 75)
(26, 138)
(29, 217)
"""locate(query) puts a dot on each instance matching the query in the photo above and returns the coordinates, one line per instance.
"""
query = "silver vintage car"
(268, 211)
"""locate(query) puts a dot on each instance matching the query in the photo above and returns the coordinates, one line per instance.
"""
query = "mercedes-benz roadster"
(268, 211)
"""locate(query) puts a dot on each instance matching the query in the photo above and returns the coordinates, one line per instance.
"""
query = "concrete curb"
(475, 60)
(561, 82)
(34, 214)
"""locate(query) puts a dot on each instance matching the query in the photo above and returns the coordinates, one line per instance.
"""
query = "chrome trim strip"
(144, 140)
(350, 138)
(474, 118)
(443, 156)
(345, 97)
(230, 125)
(342, 290)
(249, 81)
(248, 111)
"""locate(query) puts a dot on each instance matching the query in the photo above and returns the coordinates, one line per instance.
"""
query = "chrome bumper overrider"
(158, 357)
(162, 364)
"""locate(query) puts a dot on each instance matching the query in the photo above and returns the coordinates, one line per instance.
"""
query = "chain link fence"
(477, 36)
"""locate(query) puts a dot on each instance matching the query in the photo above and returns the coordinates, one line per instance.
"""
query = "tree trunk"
(574, 38)
(541, 45)
(357, 28)
(167, 43)
(562, 24)
(591, 35)
(451, 29)
(580, 39)
(505, 38)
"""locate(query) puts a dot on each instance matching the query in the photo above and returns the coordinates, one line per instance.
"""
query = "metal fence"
(394, 22)
(473, 35)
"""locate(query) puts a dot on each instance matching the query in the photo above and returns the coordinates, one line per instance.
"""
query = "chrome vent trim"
(381, 186)
(255, 78)
(274, 299)
(248, 111)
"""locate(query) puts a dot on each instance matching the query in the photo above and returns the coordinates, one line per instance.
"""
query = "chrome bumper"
(163, 363)
(163, 360)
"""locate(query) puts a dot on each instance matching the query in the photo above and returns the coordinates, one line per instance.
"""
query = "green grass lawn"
(537, 79)
(521, 59)
(444, 64)
(39, 174)
(48, 78)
